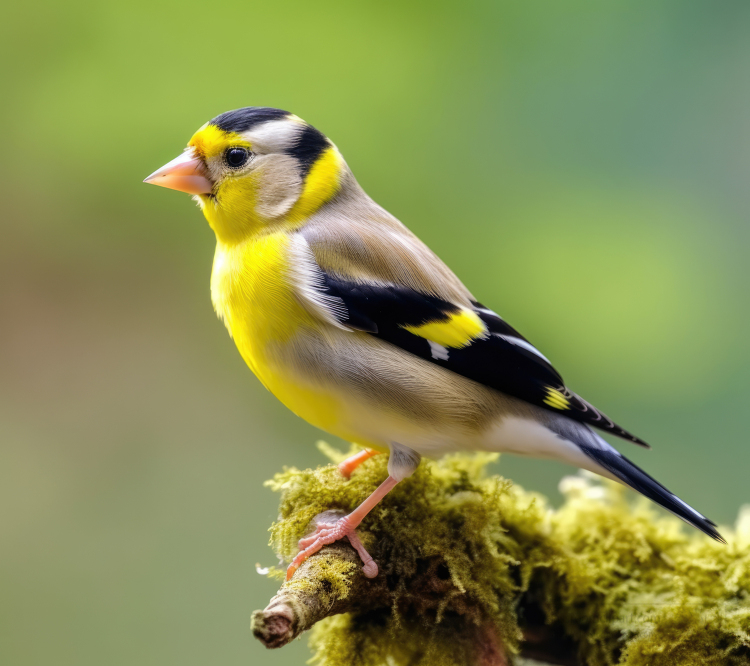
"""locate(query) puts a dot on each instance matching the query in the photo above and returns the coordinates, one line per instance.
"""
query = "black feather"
(309, 146)
(241, 120)
(389, 305)
(632, 475)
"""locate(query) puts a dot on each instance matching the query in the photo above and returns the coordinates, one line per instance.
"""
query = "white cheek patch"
(280, 184)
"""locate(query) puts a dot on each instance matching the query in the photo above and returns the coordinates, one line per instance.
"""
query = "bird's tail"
(631, 475)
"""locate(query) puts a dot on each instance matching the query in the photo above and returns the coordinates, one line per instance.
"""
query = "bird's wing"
(466, 338)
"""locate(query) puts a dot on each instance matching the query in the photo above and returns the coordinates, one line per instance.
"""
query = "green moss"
(329, 580)
(626, 583)
(637, 589)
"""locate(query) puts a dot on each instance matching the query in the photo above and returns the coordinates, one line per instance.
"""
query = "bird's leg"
(401, 463)
(326, 533)
(352, 462)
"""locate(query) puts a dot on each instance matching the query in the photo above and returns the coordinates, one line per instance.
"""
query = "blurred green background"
(582, 166)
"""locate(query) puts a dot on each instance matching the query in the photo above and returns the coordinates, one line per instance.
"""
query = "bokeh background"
(582, 166)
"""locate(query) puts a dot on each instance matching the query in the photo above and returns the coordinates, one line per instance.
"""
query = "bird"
(356, 326)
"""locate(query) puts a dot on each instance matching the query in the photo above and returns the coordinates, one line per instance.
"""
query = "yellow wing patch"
(459, 330)
(555, 399)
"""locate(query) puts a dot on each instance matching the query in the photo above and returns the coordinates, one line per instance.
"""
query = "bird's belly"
(366, 422)
(373, 393)
(323, 405)
(315, 404)
(321, 408)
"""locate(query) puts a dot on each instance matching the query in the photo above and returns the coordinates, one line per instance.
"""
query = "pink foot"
(326, 533)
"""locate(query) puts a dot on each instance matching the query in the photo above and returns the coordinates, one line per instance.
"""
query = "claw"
(290, 571)
(369, 566)
(327, 533)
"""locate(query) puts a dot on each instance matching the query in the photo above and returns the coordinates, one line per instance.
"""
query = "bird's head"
(255, 168)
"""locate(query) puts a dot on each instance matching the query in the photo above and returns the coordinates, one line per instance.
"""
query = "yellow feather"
(210, 141)
(321, 185)
(459, 330)
(251, 292)
(556, 400)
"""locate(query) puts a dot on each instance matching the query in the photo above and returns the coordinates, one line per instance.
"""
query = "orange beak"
(185, 173)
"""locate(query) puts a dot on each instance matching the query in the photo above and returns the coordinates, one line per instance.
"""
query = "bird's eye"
(237, 157)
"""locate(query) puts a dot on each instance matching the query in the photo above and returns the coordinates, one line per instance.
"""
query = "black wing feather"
(501, 360)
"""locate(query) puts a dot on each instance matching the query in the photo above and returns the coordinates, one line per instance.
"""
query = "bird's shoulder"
(361, 241)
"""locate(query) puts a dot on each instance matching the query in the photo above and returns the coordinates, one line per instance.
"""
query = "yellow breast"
(253, 295)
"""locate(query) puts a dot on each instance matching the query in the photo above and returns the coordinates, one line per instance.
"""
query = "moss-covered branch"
(474, 570)
(326, 584)
(331, 582)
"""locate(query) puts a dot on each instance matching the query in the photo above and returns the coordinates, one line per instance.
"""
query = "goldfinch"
(359, 328)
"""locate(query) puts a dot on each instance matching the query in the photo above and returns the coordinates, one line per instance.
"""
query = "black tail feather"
(632, 475)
